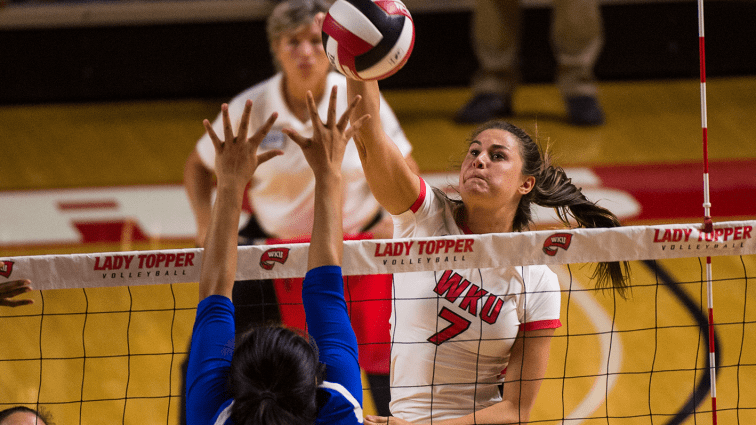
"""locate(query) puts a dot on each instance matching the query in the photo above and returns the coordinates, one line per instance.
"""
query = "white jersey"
(452, 331)
(283, 189)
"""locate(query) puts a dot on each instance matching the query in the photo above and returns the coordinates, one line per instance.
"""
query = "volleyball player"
(274, 375)
(477, 356)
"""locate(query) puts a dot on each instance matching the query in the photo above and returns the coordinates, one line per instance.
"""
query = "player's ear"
(527, 185)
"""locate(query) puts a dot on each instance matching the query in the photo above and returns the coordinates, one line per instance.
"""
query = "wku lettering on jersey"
(452, 285)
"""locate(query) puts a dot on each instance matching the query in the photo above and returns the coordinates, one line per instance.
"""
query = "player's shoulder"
(540, 276)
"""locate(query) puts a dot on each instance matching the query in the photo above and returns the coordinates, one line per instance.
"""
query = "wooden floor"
(657, 354)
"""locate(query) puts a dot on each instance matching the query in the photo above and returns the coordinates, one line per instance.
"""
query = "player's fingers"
(297, 138)
(15, 303)
(331, 119)
(228, 131)
(211, 133)
(313, 109)
(10, 293)
(266, 156)
(355, 126)
(14, 284)
(244, 124)
(259, 135)
(345, 116)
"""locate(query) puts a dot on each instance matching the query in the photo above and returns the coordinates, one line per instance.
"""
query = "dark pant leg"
(380, 389)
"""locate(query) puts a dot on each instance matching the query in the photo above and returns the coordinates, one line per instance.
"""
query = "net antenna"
(708, 226)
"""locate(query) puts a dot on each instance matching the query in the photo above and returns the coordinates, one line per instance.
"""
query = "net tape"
(382, 256)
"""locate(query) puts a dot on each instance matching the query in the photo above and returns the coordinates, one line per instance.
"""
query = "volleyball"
(368, 40)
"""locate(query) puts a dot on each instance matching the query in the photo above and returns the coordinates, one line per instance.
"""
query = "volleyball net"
(106, 336)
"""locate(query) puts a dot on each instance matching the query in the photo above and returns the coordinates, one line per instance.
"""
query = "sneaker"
(584, 110)
(483, 107)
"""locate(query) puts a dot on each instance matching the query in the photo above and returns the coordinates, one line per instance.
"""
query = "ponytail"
(553, 189)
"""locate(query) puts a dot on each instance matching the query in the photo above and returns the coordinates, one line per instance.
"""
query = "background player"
(505, 317)
(275, 375)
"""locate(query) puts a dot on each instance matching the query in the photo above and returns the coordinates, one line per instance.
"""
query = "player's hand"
(236, 156)
(14, 288)
(324, 151)
(383, 420)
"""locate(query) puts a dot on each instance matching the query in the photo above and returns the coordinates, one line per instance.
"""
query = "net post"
(708, 226)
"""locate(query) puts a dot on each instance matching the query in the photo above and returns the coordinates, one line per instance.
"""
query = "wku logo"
(557, 240)
(6, 269)
(272, 256)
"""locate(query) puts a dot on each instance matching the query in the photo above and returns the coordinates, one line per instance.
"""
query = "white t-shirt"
(447, 325)
(283, 189)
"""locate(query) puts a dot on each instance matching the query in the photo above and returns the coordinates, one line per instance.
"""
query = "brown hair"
(553, 189)
(290, 15)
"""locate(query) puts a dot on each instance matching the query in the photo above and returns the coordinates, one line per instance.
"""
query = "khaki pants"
(576, 37)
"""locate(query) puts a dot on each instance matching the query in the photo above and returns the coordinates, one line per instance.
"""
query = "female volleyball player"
(275, 376)
(472, 346)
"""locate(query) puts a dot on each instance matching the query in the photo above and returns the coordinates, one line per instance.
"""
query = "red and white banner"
(364, 257)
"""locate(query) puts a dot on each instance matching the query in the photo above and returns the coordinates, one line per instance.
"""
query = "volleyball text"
(684, 235)
(118, 262)
(436, 247)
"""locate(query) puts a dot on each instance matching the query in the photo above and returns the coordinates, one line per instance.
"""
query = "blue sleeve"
(209, 360)
(328, 323)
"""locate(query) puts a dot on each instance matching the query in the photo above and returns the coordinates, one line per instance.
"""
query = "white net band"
(366, 257)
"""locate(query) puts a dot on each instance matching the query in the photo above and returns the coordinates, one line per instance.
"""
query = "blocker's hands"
(14, 288)
(324, 151)
(236, 157)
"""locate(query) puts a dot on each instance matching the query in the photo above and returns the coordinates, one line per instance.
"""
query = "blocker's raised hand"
(236, 156)
(324, 151)
(14, 288)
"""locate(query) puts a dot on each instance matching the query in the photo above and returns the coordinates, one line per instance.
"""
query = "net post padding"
(364, 257)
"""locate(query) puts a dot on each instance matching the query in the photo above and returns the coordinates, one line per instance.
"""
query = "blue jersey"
(207, 400)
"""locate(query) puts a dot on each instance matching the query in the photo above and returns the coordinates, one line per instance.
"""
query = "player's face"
(492, 170)
(301, 55)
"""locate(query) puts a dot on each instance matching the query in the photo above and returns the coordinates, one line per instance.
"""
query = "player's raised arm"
(235, 162)
(324, 152)
(391, 180)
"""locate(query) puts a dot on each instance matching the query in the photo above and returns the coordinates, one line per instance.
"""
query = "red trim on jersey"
(541, 324)
(420, 198)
